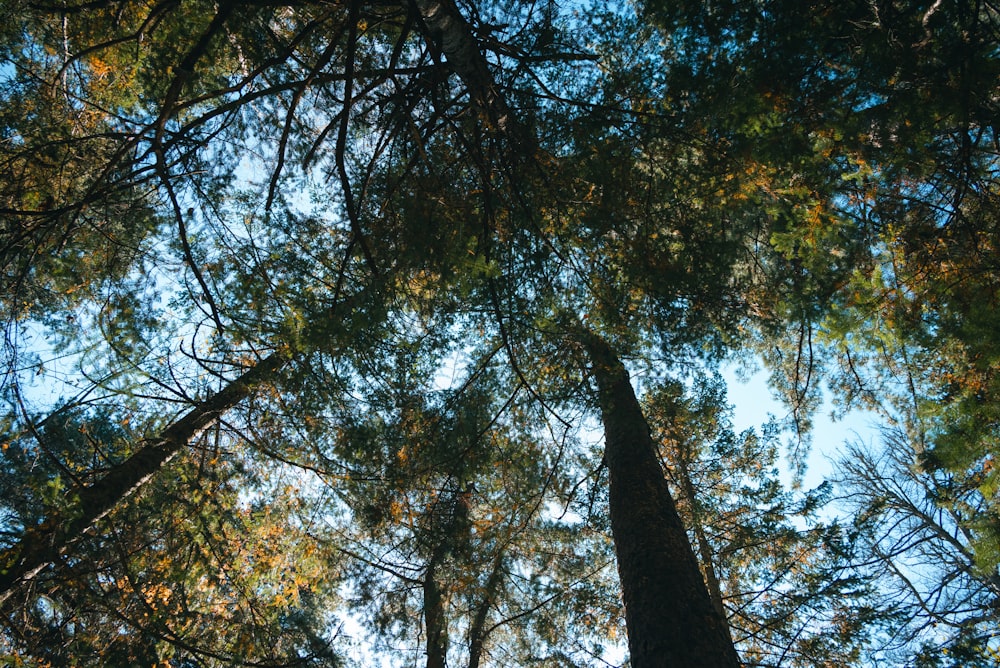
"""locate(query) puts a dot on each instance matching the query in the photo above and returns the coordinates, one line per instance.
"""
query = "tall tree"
(672, 620)
(789, 582)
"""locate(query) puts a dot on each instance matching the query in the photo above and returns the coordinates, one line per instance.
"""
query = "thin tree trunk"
(434, 619)
(43, 544)
(478, 631)
(704, 547)
(669, 614)
(451, 34)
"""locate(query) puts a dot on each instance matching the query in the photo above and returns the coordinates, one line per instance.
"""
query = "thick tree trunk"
(670, 616)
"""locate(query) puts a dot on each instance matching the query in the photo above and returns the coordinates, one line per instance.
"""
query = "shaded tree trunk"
(452, 538)
(478, 632)
(452, 36)
(670, 616)
(434, 618)
(704, 547)
(43, 544)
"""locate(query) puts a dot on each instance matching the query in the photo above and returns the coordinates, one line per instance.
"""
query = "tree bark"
(704, 547)
(434, 618)
(452, 35)
(478, 631)
(669, 614)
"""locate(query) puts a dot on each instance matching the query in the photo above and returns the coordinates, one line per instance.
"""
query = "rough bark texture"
(453, 36)
(670, 617)
(43, 544)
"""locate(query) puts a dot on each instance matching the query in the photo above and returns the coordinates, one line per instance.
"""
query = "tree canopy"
(344, 333)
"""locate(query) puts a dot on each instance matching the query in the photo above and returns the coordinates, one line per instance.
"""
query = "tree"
(919, 529)
(286, 222)
(671, 618)
(788, 582)
(189, 573)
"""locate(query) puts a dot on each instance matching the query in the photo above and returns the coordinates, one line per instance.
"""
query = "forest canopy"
(394, 333)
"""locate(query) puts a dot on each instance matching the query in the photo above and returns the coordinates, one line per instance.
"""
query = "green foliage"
(190, 574)
(43, 460)
(187, 189)
(784, 576)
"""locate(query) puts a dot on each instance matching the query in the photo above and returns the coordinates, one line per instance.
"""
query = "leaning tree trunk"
(478, 631)
(44, 543)
(669, 614)
(704, 547)
(453, 37)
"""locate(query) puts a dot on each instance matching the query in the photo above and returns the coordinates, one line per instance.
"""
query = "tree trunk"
(43, 544)
(669, 614)
(704, 547)
(451, 34)
(434, 619)
(478, 631)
